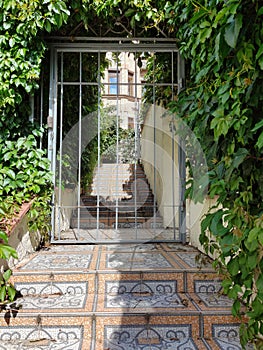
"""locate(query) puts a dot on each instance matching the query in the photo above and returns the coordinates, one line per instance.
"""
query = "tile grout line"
(95, 301)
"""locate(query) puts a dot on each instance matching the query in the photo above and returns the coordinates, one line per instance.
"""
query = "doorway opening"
(119, 168)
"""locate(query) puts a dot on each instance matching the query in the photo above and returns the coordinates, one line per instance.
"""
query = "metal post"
(117, 148)
(181, 159)
(99, 158)
(173, 156)
(52, 128)
(135, 148)
(80, 137)
(60, 144)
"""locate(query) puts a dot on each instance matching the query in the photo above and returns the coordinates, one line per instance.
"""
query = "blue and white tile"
(142, 295)
(44, 338)
(58, 262)
(47, 296)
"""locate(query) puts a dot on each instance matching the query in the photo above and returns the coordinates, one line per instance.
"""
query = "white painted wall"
(164, 166)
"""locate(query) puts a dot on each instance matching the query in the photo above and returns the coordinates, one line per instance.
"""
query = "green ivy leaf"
(2, 293)
(258, 126)
(236, 308)
(7, 274)
(259, 143)
(6, 252)
(239, 157)
(232, 31)
(11, 292)
(11, 174)
(253, 234)
(3, 235)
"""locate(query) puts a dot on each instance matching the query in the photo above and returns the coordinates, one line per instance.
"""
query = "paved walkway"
(118, 297)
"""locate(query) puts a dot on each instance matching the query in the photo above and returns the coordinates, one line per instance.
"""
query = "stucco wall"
(165, 164)
(159, 152)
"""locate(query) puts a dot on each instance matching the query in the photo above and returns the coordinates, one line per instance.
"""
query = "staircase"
(118, 297)
(121, 198)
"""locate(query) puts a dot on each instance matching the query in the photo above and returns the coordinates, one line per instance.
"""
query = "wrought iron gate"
(119, 169)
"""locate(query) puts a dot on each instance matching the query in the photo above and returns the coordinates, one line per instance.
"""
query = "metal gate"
(119, 168)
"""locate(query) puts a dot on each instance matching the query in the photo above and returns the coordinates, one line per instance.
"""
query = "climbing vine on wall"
(223, 103)
(222, 42)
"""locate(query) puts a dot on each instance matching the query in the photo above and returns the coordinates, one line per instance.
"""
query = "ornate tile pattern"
(69, 248)
(146, 338)
(144, 294)
(58, 261)
(46, 296)
(47, 338)
(227, 337)
(119, 297)
(209, 291)
(143, 260)
(194, 260)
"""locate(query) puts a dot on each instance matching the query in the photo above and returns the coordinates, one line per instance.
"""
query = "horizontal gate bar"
(113, 47)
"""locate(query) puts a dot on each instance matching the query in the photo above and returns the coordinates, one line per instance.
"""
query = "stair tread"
(167, 299)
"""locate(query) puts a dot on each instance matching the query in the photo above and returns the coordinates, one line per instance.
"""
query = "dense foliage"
(223, 103)
(24, 169)
(222, 42)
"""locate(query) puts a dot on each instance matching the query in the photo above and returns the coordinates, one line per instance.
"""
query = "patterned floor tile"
(69, 248)
(46, 333)
(227, 337)
(137, 261)
(142, 296)
(208, 296)
(58, 261)
(125, 297)
(20, 338)
(157, 337)
(201, 281)
(213, 322)
(162, 332)
(54, 297)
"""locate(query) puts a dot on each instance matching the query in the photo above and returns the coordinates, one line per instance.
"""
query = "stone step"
(90, 297)
(123, 222)
(100, 332)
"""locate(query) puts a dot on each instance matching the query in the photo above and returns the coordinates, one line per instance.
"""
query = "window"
(113, 83)
(130, 84)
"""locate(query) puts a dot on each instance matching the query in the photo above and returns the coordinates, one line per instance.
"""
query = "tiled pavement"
(118, 297)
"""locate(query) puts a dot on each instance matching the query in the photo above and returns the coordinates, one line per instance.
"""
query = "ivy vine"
(222, 42)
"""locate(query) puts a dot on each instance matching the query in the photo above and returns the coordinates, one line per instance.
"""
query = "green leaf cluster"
(7, 290)
(222, 43)
(21, 51)
(24, 176)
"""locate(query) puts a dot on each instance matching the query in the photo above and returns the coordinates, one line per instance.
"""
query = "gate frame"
(103, 45)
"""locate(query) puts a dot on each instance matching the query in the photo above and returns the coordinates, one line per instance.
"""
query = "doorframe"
(95, 44)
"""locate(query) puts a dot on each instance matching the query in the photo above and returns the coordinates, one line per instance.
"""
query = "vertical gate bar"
(173, 153)
(80, 138)
(98, 155)
(117, 148)
(154, 148)
(135, 147)
(60, 144)
(53, 115)
(51, 134)
(181, 159)
(41, 107)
